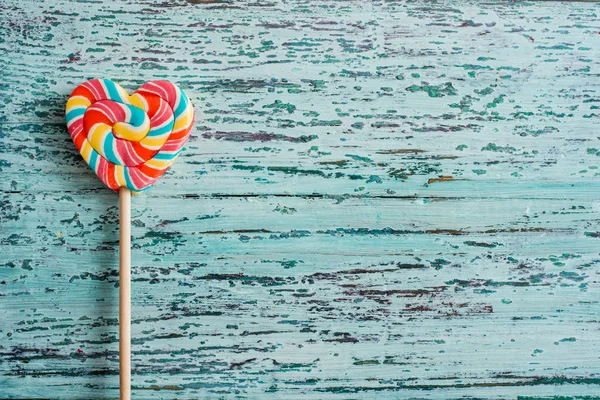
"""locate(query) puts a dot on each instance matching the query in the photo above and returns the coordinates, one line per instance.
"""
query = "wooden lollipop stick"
(125, 292)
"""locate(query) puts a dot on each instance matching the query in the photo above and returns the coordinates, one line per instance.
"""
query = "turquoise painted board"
(379, 199)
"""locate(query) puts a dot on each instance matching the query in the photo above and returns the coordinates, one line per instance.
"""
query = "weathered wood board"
(380, 199)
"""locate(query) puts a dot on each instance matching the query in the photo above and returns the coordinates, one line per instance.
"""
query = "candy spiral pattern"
(129, 141)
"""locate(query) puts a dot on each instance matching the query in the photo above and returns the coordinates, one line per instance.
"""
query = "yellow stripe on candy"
(127, 132)
(77, 102)
(124, 95)
(86, 151)
(159, 164)
(97, 135)
(184, 120)
(120, 175)
(154, 143)
(138, 101)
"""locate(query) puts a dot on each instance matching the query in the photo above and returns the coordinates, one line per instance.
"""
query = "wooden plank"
(379, 199)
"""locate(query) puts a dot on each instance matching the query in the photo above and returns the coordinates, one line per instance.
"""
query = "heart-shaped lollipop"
(129, 141)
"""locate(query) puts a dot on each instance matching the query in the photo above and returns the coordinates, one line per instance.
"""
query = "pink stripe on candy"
(139, 179)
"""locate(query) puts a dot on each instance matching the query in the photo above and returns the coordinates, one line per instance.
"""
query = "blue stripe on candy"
(183, 102)
(128, 181)
(109, 152)
(71, 115)
(113, 93)
(94, 160)
(137, 116)
(161, 131)
(165, 156)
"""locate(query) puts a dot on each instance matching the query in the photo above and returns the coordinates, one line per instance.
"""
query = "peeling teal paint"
(378, 199)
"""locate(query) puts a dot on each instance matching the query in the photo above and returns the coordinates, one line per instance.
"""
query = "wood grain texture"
(379, 199)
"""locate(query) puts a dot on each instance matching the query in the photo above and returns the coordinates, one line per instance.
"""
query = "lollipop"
(129, 142)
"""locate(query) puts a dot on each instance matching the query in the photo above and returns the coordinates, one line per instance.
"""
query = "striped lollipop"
(129, 141)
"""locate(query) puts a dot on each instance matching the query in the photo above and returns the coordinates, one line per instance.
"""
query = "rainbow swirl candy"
(129, 141)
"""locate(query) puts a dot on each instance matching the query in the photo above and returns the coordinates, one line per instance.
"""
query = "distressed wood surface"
(379, 199)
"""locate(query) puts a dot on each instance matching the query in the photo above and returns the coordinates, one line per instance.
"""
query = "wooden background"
(379, 200)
